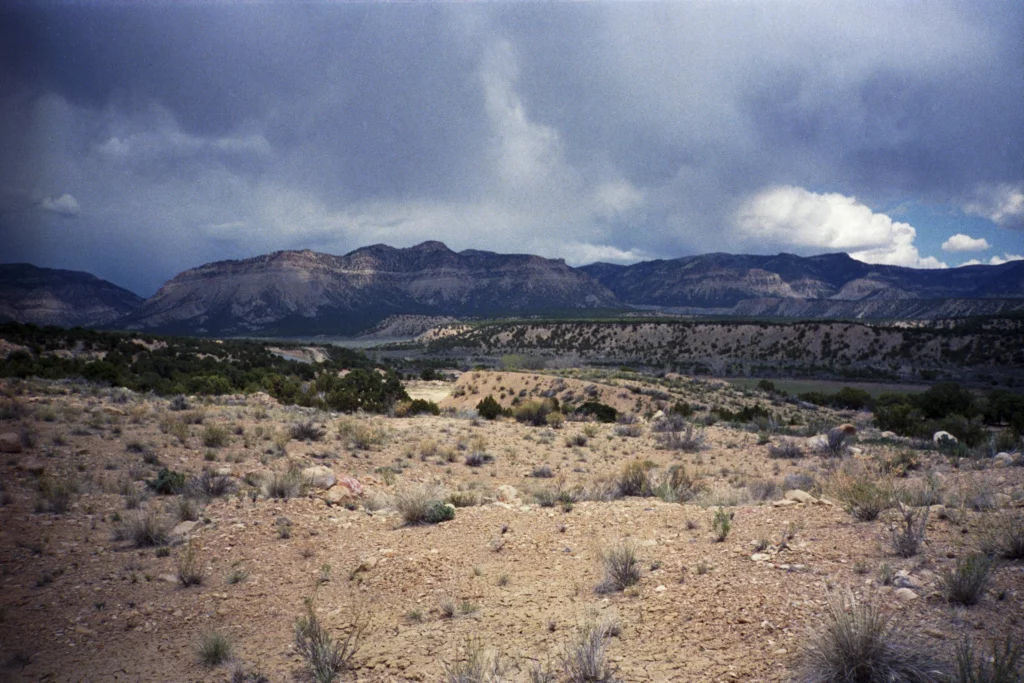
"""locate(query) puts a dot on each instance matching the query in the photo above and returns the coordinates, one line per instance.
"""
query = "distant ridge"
(305, 292)
(66, 298)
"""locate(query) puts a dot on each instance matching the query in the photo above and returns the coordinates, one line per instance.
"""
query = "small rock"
(888, 435)
(181, 532)
(783, 503)
(934, 633)
(938, 510)
(660, 589)
(32, 466)
(339, 495)
(905, 594)
(10, 442)
(759, 557)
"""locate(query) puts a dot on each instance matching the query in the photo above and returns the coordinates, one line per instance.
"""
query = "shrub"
(209, 485)
(489, 409)
(188, 509)
(534, 412)
(677, 486)
(286, 485)
(306, 431)
(56, 495)
(599, 411)
(477, 667)
(167, 482)
(439, 511)
(144, 530)
(861, 496)
(763, 489)
(214, 648)
(1004, 535)
(965, 584)
(688, 442)
(542, 472)
(621, 569)
(325, 657)
(786, 449)
(478, 458)
(190, 569)
(415, 505)
(1004, 665)
(179, 402)
(418, 406)
(635, 479)
(215, 436)
(907, 535)
(721, 523)
(859, 644)
(555, 419)
(584, 660)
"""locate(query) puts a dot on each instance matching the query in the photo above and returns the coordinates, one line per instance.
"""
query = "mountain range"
(308, 293)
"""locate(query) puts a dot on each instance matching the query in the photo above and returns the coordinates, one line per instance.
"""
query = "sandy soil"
(77, 605)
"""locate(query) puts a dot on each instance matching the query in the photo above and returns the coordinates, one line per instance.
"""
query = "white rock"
(799, 496)
(319, 477)
(939, 437)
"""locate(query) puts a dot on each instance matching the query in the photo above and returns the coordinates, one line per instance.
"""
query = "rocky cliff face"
(304, 292)
(65, 298)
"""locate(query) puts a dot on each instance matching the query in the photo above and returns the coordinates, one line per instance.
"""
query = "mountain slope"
(66, 298)
(305, 292)
(724, 281)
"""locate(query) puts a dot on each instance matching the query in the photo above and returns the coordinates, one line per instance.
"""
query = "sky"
(143, 139)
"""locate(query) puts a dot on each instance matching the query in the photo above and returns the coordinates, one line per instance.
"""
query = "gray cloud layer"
(179, 135)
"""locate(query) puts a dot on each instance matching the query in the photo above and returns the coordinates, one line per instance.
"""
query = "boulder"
(905, 594)
(818, 442)
(339, 495)
(319, 477)
(939, 437)
(32, 466)
(507, 493)
(800, 496)
(180, 533)
(847, 428)
(352, 484)
(889, 435)
(10, 442)
(1002, 460)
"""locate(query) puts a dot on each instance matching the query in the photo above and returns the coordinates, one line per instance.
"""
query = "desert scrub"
(787, 448)
(860, 495)
(214, 649)
(286, 485)
(56, 494)
(144, 530)
(326, 657)
(677, 486)
(422, 505)
(621, 568)
(635, 479)
(215, 436)
(906, 534)
(721, 523)
(585, 660)
(857, 643)
(477, 666)
(190, 568)
(1005, 664)
(1004, 535)
(305, 431)
(965, 583)
(690, 441)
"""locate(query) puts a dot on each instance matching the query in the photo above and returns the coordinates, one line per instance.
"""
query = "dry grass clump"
(1005, 664)
(689, 441)
(621, 569)
(965, 584)
(286, 485)
(585, 659)
(215, 436)
(858, 644)
(422, 505)
(677, 486)
(144, 530)
(214, 649)
(635, 479)
(1004, 535)
(477, 667)
(326, 657)
(306, 431)
(57, 494)
(860, 494)
(190, 569)
(787, 448)
(907, 534)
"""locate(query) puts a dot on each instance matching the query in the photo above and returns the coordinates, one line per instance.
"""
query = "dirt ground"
(78, 605)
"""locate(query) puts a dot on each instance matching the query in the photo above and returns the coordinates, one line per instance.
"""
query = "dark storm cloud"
(175, 135)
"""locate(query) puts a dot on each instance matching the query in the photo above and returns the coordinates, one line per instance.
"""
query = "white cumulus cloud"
(961, 242)
(995, 260)
(796, 217)
(1002, 204)
(65, 205)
